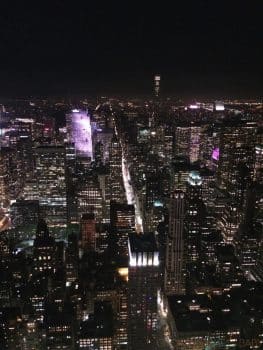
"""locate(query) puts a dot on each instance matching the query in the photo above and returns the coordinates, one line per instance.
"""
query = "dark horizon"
(193, 87)
(200, 50)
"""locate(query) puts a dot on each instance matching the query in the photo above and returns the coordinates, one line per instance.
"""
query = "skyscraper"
(175, 260)
(4, 193)
(44, 250)
(236, 159)
(143, 287)
(79, 132)
(122, 223)
(89, 197)
(193, 216)
(88, 232)
(117, 187)
(51, 183)
(157, 79)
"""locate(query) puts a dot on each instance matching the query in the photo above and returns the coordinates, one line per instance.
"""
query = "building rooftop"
(99, 324)
(143, 243)
(227, 311)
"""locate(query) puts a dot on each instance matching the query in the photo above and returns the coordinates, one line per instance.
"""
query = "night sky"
(200, 48)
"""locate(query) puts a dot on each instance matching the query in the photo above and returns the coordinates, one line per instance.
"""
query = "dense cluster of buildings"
(131, 225)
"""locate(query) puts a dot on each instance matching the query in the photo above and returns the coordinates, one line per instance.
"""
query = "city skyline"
(131, 224)
(131, 175)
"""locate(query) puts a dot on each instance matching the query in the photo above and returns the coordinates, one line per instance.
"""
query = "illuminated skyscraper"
(182, 141)
(258, 168)
(236, 159)
(51, 182)
(143, 287)
(187, 142)
(157, 79)
(195, 143)
(103, 137)
(229, 221)
(79, 132)
(122, 223)
(4, 193)
(193, 216)
(175, 264)
(71, 179)
(117, 187)
(89, 197)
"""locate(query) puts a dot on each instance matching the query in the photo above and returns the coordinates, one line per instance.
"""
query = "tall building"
(122, 311)
(195, 139)
(79, 132)
(24, 213)
(71, 179)
(236, 159)
(175, 259)
(229, 221)
(71, 259)
(187, 141)
(122, 223)
(157, 80)
(59, 331)
(153, 190)
(4, 182)
(182, 141)
(44, 252)
(143, 287)
(258, 167)
(89, 197)
(117, 186)
(102, 137)
(98, 153)
(51, 182)
(97, 332)
(193, 216)
(88, 232)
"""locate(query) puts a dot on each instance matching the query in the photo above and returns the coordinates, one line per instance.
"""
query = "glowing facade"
(216, 153)
(219, 106)
(79, 132)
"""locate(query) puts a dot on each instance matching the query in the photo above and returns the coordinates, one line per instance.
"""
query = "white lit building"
(142, 287)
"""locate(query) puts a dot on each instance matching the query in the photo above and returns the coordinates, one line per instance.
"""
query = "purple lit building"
(216, 153)
(79, 132)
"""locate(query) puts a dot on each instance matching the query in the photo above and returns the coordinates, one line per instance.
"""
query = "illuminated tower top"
(143, 250)
(194, 179)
